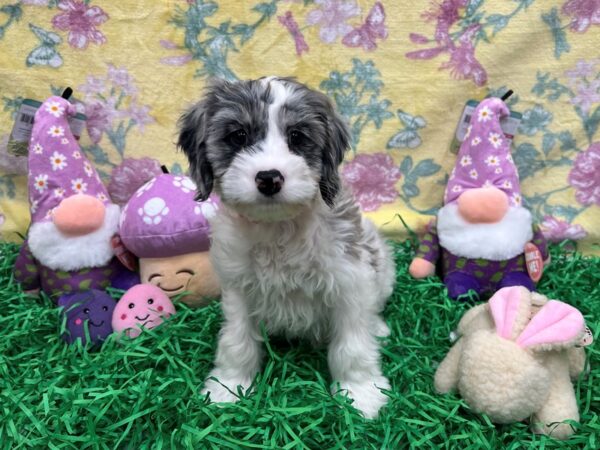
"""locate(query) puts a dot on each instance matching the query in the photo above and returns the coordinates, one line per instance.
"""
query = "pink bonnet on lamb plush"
(162, 219)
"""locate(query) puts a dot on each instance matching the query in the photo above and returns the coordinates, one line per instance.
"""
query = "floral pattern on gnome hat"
(484, 159)
(57, 166)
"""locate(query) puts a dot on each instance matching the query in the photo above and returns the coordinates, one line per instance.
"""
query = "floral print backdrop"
(400, 72)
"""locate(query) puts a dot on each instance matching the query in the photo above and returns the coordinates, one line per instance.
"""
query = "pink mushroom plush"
(168, 231)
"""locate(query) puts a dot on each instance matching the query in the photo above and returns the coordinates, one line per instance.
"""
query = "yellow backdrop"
(399, 71)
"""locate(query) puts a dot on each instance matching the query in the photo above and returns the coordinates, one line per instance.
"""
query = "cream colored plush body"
(510, 383)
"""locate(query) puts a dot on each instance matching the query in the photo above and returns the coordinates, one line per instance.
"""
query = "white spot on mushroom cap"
(152, 211)
(185, 184)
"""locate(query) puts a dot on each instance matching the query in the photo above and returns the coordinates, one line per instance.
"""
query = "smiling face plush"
(144, 305)
(191, 272)
(91, 310)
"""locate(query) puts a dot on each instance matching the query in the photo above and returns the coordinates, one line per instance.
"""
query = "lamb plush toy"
(168, 230)
(484, 239)
(68, 247)
(515, 358)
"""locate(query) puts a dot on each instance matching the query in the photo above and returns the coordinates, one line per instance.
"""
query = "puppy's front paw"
(381, 328)
(367, 396)
(223, 389)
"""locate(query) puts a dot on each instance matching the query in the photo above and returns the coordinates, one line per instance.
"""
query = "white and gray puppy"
(289, 244)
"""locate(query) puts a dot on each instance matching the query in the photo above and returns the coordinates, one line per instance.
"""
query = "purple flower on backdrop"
(587, 95)
(463, 64)
(92, 86)
(99, 118)
(557, 230)
(585, 176)
(332, 15)
(35, 2)
(129, 176)
(444, 14)
(584, 84)
(290, 23)
(119, 76)
(110, 98)
(583, 12)
(582, 69)
(372, 178)
(140, 114)
(80, 20)
(366, 35)
(178, 60)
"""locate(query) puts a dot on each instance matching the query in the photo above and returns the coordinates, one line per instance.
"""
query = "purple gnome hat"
(162, 219)
(484, 159)
(57, 167)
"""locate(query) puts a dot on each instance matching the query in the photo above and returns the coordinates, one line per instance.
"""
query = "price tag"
(533, 261)
(510, 125)
(18, 142)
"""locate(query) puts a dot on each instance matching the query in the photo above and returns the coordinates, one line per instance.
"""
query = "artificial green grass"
(144, 393)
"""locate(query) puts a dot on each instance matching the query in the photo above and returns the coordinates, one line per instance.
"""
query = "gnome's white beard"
(61, 252)
(494, 241)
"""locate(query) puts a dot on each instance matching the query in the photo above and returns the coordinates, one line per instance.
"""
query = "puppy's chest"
(286, 268)
(288, 291)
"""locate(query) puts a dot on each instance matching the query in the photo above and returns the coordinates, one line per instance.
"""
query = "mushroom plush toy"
(69, 242)
(168, 230)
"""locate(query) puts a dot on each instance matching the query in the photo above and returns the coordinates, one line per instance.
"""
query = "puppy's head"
(269, 147)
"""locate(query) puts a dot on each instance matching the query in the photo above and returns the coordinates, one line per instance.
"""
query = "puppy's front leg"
(239, 351)
(353, 358)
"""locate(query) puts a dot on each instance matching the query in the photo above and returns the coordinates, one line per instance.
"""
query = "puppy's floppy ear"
(337, 143)
(192, 136)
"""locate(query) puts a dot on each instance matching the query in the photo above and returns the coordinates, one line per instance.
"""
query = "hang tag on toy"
(533, 261)
(18, 141)
(127, 258)
(586, 339)
(509, 124)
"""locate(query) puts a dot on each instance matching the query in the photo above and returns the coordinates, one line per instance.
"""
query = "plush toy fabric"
(168, 231)
(515, 358)
(481, 232)
(88, 314)
(68, 246)
(144, 305)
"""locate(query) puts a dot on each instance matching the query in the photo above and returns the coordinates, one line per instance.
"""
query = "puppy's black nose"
(269, 182)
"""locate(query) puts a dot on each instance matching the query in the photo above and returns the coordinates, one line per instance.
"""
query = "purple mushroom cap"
(162, 219)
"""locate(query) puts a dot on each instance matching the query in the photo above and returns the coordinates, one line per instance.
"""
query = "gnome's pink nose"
(78, 215)
(483, 205)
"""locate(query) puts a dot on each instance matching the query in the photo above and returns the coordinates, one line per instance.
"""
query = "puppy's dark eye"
(131, 305)
(86, 311)
(105, 308)
(150, 301)
(239, 138)
(296, 138)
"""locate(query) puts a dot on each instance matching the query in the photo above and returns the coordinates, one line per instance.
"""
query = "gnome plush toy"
(68, 247)
(168, 230)
(483, 236)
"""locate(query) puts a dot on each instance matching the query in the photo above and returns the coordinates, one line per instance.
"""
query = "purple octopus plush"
(168, 230)
(88, 314)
